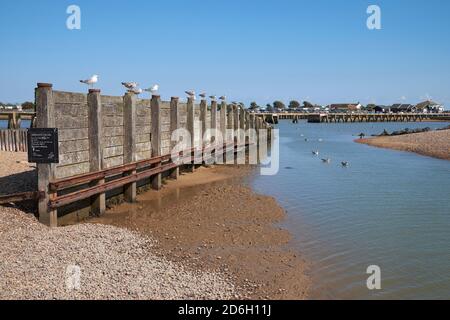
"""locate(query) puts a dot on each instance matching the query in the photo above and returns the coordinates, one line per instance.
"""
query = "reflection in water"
(386, 208)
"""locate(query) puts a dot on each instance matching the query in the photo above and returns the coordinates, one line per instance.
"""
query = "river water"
(388, 208)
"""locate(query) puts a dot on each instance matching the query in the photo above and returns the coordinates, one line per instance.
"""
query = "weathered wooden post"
(223, 120)
(230, 124)
(174, 125)
(156, 137)
(213, 118)
(236, 118)
(45, 118)
(242, 124)
(190, 127)
(129, 144)
(203, 112)
(98, 202)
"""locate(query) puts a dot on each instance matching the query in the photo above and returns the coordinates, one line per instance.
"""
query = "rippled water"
(388, 208)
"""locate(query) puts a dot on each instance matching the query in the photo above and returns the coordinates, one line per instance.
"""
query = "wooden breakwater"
(13, 140)
(110, 145)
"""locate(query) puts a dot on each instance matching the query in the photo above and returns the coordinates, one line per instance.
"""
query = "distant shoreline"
(434, 144)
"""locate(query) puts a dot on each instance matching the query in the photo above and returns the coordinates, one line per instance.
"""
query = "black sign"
(43, 145)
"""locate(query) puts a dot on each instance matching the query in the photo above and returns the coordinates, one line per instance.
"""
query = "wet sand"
(212, 221)
(433, 143)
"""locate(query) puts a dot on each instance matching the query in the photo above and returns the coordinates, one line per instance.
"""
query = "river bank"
(432, 143)
(222, 226)
(204, 236)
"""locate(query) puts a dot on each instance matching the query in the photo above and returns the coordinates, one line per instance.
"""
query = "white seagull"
(327, 160)
(130, 85)
(153, 89)
(316, 153)
(213, 97)
(136, 91)
(202, 95)
(223, 98)
(91, 81)
(191, 94)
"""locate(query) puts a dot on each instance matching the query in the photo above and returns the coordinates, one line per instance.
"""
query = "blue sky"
(249, 50)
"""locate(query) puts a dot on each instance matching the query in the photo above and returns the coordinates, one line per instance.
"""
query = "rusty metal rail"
(151, 167)
(20, 197)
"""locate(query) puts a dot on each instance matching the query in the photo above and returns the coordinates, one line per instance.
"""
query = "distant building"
(429, 107)
(403, 108)
(345, 107)
(382, 109)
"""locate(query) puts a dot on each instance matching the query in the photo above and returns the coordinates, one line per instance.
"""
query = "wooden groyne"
(109, 146)
(13, 140)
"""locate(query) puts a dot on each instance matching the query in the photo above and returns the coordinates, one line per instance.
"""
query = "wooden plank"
(19, 197)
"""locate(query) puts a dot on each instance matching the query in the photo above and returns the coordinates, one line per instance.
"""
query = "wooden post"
(190, 126)
(242, 125)
(213, 117)
(98, 202)
(129, 145)
(156, 137)
(223, 120)
(45, 118)
(203, 112)
(174, 125)
(230, 125)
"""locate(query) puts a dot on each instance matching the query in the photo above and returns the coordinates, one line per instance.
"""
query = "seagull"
(316, 153)
(136, 91)
(202, 95)
(223, 98)
(91, 81)
(153, 89)
(327, 160)
(191, 94)
(213, 97)
(130, 85)
(345, 163)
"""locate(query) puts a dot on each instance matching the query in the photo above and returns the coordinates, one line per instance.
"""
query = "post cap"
(44, 85)
(175, 98)
(94, 90)
(156, 96)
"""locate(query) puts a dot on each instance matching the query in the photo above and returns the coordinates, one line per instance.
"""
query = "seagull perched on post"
(223, 98)
(191, 94)
(91, 81)
(213, 97)
(130, 85)
(136, 91)
(202, 95)
(153, 89)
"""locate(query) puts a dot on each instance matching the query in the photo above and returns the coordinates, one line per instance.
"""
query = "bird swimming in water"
(345, 163)
(91, 81)
(316, 153)
(326, 160)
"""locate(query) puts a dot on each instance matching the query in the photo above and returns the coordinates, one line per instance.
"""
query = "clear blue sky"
(249, 50)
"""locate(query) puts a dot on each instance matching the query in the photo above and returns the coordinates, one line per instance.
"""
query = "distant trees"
(269, 107)
(279, 105)
(253, 106)
(294, 104)
(307, 104)
(28, 105)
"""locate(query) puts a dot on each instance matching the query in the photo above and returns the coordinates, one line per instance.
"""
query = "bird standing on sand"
(130, 85)
(153, 89)
(91, 81)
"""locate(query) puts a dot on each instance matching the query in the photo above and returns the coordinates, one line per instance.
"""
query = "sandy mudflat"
(433, 143)
(221, 226)
(188, 241)
(16, 174)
